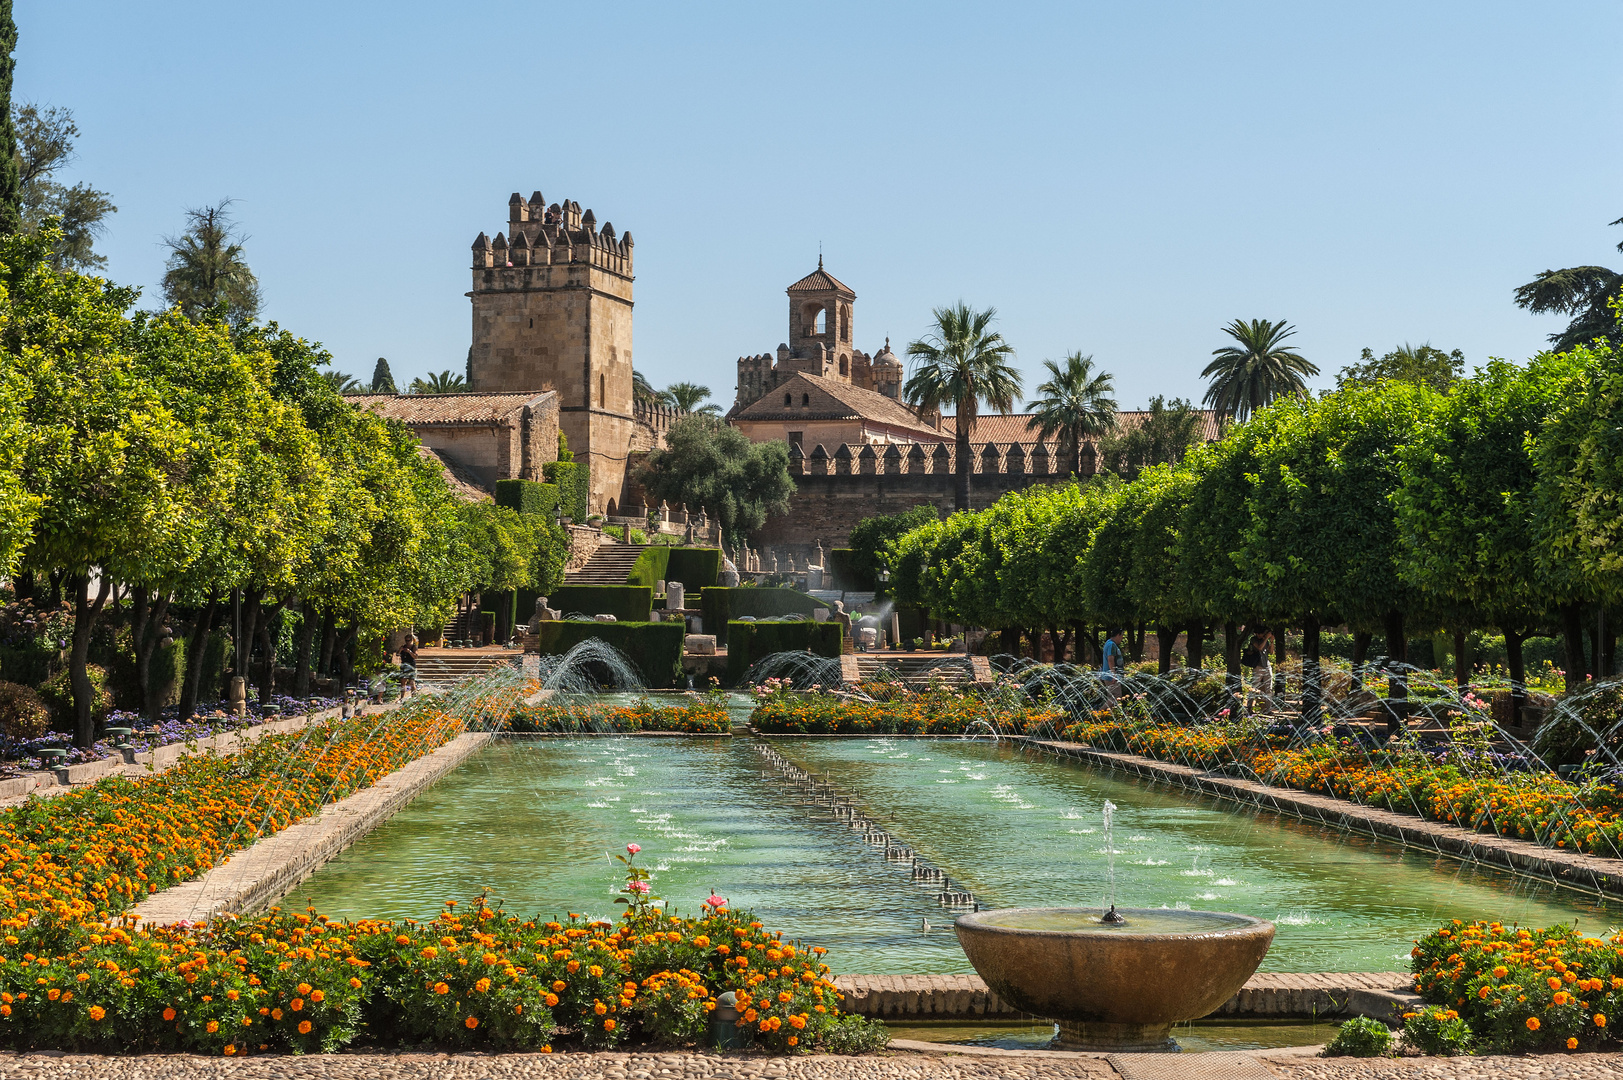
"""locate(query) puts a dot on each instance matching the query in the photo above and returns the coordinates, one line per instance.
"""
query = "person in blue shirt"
(1112, 669)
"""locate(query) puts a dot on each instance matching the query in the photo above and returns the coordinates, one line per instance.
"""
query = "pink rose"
(633, 848)
(637, 886)
(716, 901)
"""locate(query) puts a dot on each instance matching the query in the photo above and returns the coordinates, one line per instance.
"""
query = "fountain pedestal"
(1114, 986)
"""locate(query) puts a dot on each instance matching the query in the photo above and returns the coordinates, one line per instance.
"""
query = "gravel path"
(716, 1067)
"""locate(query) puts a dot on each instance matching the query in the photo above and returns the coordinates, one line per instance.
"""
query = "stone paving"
(1284, 1065)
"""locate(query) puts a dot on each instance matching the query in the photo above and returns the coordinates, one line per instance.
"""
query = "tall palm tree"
(443, 383)
(686, 397)
(642, 391)
(1077, 403)
(344, 384)
(206, 267)
(962, 363)
(1256, 370)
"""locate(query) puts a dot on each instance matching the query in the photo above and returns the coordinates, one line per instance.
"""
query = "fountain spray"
(1110, 867)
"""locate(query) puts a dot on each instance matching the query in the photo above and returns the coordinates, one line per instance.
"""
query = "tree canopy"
(706, 463)
(207, 268)
(1257, 369)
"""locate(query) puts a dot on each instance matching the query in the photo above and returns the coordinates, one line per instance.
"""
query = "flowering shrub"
(1519, 989)
(936, 711)
(91, 852)
(698, 716)
(1455, 785)
(295, 981)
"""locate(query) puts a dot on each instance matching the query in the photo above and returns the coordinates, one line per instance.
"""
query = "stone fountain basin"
(1114, 987)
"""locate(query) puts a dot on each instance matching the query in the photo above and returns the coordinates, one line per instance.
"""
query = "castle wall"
(491, 454)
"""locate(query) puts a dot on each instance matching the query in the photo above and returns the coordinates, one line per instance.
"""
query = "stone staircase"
(915, 669)
(442, 667)
(609, 565)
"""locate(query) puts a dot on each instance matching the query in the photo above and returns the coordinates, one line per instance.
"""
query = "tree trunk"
(243, 650)
(196, 647)
(1278, 686)
(1195, 645)
(1360, 656)
(329, 638)
(1572, 636)
(85, 613)
(23, 586)
(1064, 646)
(1462, 660)
(1087, 638)
(301, 646)
(267, 641)
(1312, 685)
(960, 489)
(146, 630)
(1600, 647)
(1397, 684)
(1135, 641)
(1010, 638)
(346, 663)
(1231, 664)
(1518, 673)
(1166, 636)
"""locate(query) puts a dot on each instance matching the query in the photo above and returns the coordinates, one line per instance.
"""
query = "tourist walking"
(1256, 657)
(408, 664)
(1112, 670)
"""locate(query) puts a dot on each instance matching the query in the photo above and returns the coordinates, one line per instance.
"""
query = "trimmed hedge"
(574, 486)
(649, 569)
(748, 642)
(842, 566)
(695, 567)
(627, 603)
(527, 496)
(722, 605)
(654, 649)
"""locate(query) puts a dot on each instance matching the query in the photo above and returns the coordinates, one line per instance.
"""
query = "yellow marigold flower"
(430, 952)
(594, 971)
(1600, 1020)
(608, 1025)
(213, 1026)
(482, 985)
(489, 958)
(97, 1012)
(1500, 972)
(1572, 1044)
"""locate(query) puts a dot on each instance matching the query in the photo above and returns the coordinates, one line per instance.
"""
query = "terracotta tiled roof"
(415, 409)
(832, 399)
(820, 280)
(1021, 427)
(463, 484)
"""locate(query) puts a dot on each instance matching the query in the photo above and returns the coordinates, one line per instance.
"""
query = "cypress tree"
(382, 378)
(11, 187)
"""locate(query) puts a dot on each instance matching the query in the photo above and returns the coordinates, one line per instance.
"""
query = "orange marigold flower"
(97, 1012)
(169, 1014)
(304, 1027)
(608, 1025)
(1572, 1044)
(471, 1022)
(213, 1026)
(1532, 1023)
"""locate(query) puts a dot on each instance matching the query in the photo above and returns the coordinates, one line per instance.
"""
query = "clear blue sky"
(1121, 179)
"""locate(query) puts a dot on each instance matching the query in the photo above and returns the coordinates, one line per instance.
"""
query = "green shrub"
(30, 664)
(695, 567)
(23, 715)
(651, 567)
(847, 576)
(58, 696)
(527, 496)
(853, 1034)
(1362, 1036)
(1438, 1031)
(166, 670)
(748, 642)
(574, 486)
(723, 605)
(627, 603)
(653, 649)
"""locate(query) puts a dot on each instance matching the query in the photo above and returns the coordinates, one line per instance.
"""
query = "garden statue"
(729, 574)
(543, 614)
(675, 595)
(842, 617)
(238, 696)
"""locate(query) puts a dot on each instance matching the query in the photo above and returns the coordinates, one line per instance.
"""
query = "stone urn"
(1114, 986)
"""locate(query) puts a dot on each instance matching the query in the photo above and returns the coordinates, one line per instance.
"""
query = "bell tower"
(820, 331)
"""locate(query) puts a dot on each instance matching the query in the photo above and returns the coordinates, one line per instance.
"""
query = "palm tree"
(1247, 376)
(686, 396)
(1077, 403)
(642, 391)
(343, 384)
(443, 383)
(206, 268)
(962, 363)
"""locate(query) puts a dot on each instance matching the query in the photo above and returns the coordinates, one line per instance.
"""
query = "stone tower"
(552, 311)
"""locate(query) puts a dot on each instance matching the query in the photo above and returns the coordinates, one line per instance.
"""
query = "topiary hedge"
(527, 496)
(627, 603)
(695, 567)
(723, 605)
(748, 642)
(650, 567)
(653, 649)
(574, 486)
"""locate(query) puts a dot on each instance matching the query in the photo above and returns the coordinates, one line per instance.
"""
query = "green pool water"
(535, 822)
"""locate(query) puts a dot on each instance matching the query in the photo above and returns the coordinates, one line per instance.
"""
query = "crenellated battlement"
(1033, 459)
(539, 235)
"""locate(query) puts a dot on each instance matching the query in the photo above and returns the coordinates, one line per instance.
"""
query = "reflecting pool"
(535, 822)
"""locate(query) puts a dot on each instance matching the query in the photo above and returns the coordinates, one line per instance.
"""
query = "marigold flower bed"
(91, 852)
(290, 981)
(1528, 805)
(698, 717)
(931, 712)
(1522, 989)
